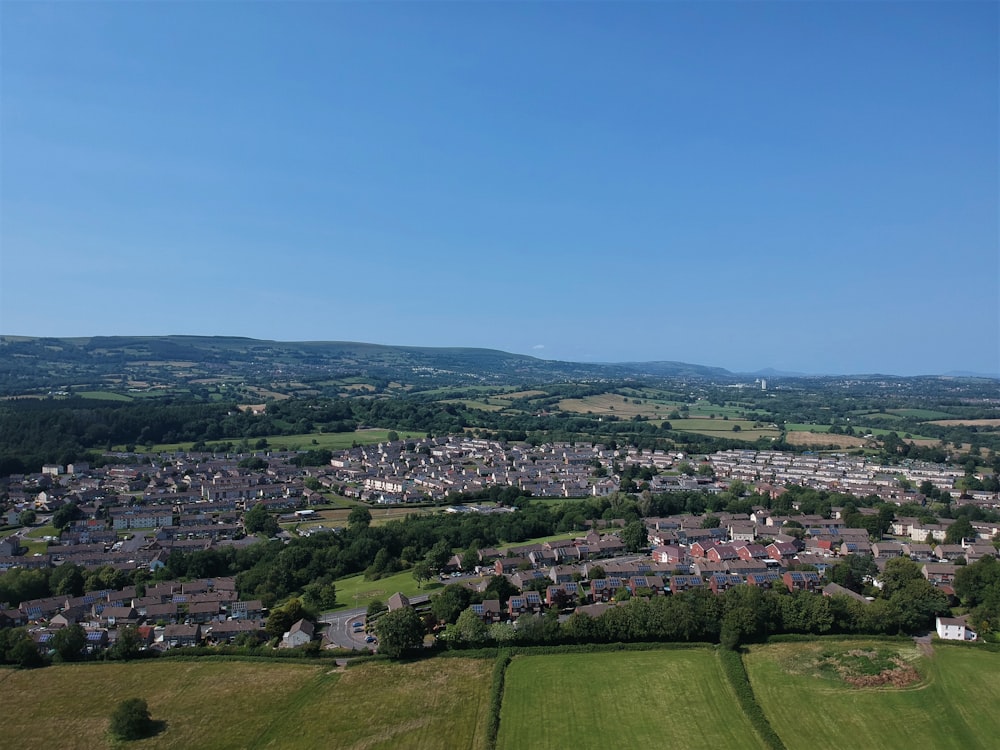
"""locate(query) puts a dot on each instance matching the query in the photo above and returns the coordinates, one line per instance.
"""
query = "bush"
(736, 674)
(496, 697)
(131, 720)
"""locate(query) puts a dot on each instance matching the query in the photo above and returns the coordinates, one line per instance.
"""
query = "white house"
(954, 629)
(299, 635)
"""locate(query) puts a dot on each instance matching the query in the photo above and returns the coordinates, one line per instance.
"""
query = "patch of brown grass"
(824, 438)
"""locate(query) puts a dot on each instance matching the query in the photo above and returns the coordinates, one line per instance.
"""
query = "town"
(132, 514)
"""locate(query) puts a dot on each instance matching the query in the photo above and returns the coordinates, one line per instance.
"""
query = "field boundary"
(496, 698)
(736, 674)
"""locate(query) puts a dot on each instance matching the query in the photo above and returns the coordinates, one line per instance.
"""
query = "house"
(181, 635)
(954, 629)
(781, 550)
(801, 580)
(720, 582)
(763, 580)
(397, 601)
(489, 611)
(835, 589)
(299, 634)
(679, 584)
(939, 573)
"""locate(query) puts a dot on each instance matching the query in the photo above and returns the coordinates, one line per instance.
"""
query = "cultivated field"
(810, 706)
(800, 437)
(967, 422)
(632, 699)
(612, 403)
(434, 705)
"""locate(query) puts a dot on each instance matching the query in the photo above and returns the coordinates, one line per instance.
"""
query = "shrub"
(131, 720)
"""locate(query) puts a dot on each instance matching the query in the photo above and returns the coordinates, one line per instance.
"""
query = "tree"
(69, 642)
(66, 515)
(450, 602)
(961, 529)
(128, 644)
(282, 618)
(634, 536)
(469, 628)
(131, 720)
(421, 572)
(258, 520)
(26, 517)
(359, 517)
(595, 572)
(399, 631)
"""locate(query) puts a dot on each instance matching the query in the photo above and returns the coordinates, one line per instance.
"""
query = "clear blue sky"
(806, 186)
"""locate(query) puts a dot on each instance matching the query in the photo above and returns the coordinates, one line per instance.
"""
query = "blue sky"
(805, 186)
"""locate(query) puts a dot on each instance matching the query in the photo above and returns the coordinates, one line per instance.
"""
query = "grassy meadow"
(334, 441)
(628, 699)
(950, 706)
(434, 705)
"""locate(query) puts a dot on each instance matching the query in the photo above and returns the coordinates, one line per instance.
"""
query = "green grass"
(235, 705)
(922, 413)
(719, 427)
(809, 706)
(205, 704)
(436, 704)
(39, 532)
(333, 441)
(355, 591)
(102, 395)
(632, 699)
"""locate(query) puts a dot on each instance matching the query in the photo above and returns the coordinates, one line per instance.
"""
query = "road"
(341, 631)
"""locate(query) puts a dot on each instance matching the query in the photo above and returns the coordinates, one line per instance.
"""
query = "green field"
(430, 705)
(633, 699)
(724, 428)
(950, 707)
(922, 413)
(355, 591)
(334, 441)
(102, 395)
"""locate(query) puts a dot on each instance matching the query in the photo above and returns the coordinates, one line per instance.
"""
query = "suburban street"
(341, 631)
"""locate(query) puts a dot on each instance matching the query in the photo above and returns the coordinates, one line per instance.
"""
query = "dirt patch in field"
(865, 668)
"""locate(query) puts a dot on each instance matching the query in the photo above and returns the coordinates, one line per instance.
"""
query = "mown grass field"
(431, 705)
(951, 707)
(633, 699)
(355, 591)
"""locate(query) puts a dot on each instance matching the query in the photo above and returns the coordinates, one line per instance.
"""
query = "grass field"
(102, 395)
(333, 441)
(967, 422)
(724, 428)
(824, 438)
(921, 413)
(230, 704)
(612, 403)
(355, 591)
(633, 699)
(949, 708)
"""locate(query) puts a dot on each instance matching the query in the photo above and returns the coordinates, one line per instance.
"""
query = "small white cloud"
(538, 346)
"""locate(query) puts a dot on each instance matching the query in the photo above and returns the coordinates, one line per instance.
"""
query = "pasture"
(333, 441)
(627, 699)
(434, 705)
(809, 706)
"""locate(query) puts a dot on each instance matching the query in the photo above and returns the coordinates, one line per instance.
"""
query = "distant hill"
(28, 364)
